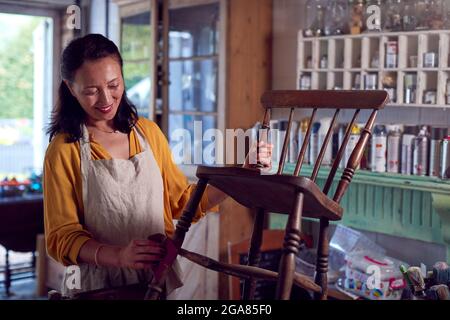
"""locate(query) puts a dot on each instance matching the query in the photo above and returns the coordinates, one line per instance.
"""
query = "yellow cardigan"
(63, 203)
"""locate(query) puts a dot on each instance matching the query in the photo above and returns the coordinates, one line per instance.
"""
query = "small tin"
(305, 82)
(391, 54)
(429, 97)
(371, 81)
(430, 60)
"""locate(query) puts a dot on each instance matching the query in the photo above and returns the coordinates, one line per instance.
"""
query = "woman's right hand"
(141, 254)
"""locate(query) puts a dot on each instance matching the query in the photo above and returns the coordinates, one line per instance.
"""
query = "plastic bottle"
(393, 148)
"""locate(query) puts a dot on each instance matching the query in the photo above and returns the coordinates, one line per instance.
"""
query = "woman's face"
(98, 87)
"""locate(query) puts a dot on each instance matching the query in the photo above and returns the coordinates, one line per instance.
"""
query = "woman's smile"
(106, 109)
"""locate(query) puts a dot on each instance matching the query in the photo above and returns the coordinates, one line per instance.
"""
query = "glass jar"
(315, 18)
(356, 16)
(436, 20)
(409, 19)
(393, 15)
(336, 18)
(423, 12)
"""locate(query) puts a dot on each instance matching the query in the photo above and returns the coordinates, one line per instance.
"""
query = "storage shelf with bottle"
(413, 67)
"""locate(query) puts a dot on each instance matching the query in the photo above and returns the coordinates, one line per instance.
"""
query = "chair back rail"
(326, 99)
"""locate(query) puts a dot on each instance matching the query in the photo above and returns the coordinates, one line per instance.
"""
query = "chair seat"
(273, 193)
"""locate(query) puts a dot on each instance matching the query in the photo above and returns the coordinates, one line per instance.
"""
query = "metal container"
(355, 134)
(371, 81)
(391, 54)
(430, 60)
(445, 158)
(408, 137)
(305, 82)
(315, 143)
(393, 149)
(420, 152)
(437, 135)
(293, 142)
(301, 138)
(429, 97)
(379, 149)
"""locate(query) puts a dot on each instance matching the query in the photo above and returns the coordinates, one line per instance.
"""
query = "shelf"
(429, 184)
(352, 57)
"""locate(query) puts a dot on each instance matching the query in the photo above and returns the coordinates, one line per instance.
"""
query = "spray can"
(437, 135)
(420, 152)
(293, 142)
(314, 145)
(393, 148)
(379, 148)
(353, 139)
(325, 124)
(407, 143)
(445, 158)
(301, 138)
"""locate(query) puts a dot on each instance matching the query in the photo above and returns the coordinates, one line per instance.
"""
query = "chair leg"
(322, 261)
(291, 246)
(156, 287)
(7, 274)
(254, 254)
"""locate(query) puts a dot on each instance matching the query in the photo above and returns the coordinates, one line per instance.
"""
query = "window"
(26, 44)
(193, 69)
(135, 46)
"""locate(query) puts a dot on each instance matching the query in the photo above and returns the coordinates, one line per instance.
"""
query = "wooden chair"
(294, 195)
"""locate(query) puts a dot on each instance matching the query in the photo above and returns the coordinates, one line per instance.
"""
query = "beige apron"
(123, 201)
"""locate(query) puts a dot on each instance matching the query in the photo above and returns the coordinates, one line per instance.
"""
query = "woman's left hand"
(260, 153)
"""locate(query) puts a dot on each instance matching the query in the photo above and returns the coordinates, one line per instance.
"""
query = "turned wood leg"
(322, 261)
(291, 247)
(156, 287)
(7, 274)
(254, 254)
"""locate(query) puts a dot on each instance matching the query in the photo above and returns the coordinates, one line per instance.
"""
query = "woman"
(109, 178)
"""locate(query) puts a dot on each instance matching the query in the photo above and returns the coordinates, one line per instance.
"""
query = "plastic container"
(373, 276)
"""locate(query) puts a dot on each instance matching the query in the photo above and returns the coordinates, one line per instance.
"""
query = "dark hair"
(68, 116)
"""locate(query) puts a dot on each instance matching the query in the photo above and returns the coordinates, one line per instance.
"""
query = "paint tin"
(437, 135)
(391, 54)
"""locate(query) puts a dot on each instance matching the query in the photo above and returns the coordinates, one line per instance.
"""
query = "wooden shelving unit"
(353, 56)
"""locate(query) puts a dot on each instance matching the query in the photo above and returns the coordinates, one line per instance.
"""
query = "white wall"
(288, 18)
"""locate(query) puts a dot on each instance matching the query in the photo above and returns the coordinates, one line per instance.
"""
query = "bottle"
(315, 12)
(315, 143)
(409, 134)
(393, 148)
(325, 124)
(409, 20)
(355, 134)
(356, 16)
(293, 143)
(420, 152)
(301, 138)
(437, 135)
(445, 158)
(336, 17)
(393, 15)
(379, 147)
